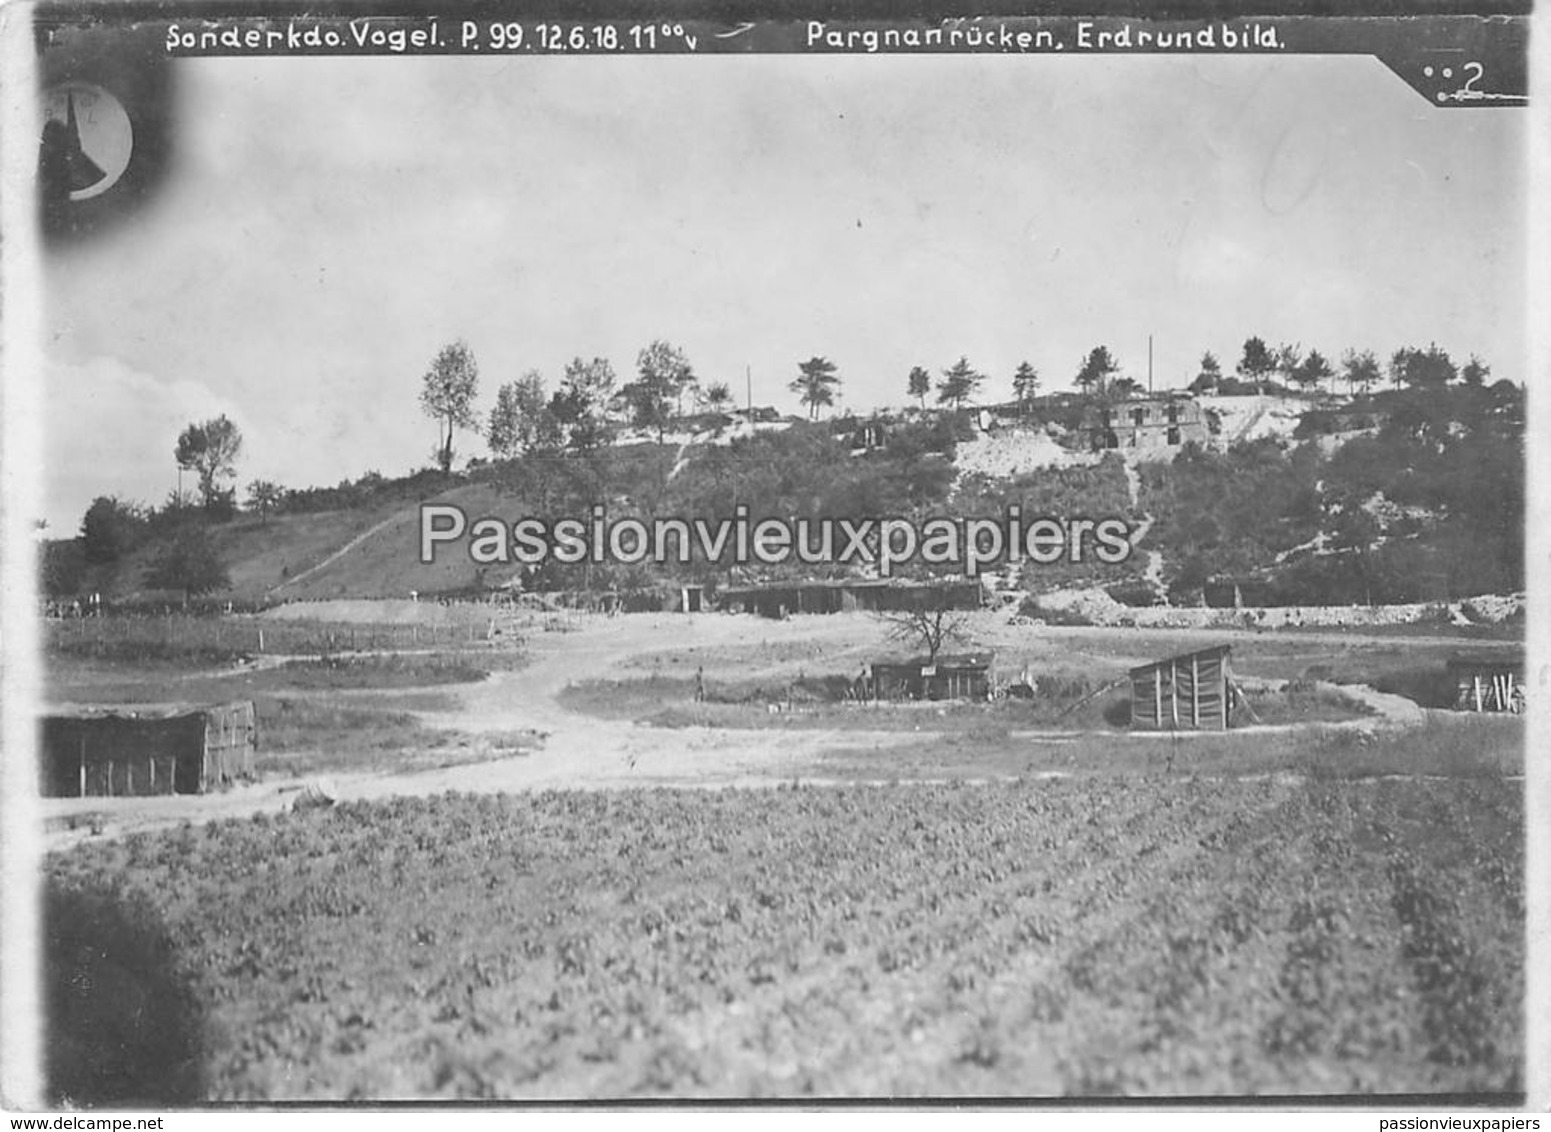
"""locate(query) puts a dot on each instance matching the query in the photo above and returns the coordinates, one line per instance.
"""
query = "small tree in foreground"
(927, 629)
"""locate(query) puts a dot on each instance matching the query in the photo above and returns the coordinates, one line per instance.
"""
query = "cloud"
(110, 430)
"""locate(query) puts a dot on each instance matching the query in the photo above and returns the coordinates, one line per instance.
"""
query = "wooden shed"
(128, 749)
(1189, 692)
(1487, 682)
(965, 676)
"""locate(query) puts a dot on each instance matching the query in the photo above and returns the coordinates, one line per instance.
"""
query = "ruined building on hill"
(1147, 427)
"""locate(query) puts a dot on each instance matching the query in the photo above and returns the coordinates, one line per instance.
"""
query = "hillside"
(1405, 497)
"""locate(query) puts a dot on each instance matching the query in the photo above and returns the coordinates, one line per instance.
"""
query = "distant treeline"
(1427, 505)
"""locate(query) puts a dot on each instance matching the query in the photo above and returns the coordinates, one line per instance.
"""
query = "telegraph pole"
(1149, 365)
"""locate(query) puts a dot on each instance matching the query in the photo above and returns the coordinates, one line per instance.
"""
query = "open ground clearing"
(526, 891)
(433, 721)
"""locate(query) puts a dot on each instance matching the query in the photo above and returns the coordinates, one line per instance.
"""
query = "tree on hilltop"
(210, 449)
(265, 496)
(920, 384)
(1096, 370)
(577, 413)
(958, 384)
(518, 421)
(1431, 368)
(1312, 370)
(1288, 357)
(1210, 375)
(1361, 370)
(1025, 384)
(816, 382)
(663, 374)
(1257, 362)
(447, 396)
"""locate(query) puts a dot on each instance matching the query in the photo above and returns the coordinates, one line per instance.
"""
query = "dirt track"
(580, 752)
(577, 752)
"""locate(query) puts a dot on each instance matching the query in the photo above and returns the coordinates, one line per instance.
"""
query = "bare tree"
(927, 628)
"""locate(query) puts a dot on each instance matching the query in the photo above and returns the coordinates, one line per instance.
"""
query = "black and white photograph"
(626, 557)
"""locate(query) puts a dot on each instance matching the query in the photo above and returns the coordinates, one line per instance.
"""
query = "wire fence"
(176, 633)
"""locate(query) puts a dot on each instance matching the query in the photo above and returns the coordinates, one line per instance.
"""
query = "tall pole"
(1149, 365)
(748, 381)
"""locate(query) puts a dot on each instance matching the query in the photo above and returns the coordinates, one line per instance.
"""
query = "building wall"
(101, 755)
(1157, 426)
(905, 681)
(1185, 693)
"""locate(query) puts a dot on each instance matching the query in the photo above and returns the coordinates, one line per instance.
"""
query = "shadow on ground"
(122, 1029)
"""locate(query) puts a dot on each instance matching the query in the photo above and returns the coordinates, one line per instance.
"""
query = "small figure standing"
(700, 684)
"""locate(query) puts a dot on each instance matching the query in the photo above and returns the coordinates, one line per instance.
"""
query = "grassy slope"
(258, 556)
(387, 563)
(261, 556)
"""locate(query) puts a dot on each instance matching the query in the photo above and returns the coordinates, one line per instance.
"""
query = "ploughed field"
(1098, 936)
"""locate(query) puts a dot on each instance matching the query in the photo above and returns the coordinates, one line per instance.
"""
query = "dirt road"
(577, 752)
(580, 752)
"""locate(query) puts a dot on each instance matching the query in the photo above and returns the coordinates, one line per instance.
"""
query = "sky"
(329, 224)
